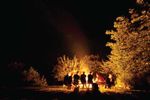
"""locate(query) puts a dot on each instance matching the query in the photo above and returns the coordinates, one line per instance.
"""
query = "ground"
(62, 93)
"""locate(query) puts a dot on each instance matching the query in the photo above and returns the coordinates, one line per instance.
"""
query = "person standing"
(108, 82)
(90, 79)
(83, 79)
(69, 81)
(76, 79)
(66, 77)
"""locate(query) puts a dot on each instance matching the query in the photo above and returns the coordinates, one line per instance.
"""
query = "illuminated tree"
(72, 65)
(130, 56)
(95, 64)
(65, 65)
(33, 78)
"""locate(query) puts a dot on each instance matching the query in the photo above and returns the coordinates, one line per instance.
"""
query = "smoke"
(74, 37)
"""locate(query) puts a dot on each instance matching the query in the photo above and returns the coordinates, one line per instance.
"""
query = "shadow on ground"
(31, 94)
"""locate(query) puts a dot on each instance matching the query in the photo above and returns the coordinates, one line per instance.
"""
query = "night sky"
(36, 32)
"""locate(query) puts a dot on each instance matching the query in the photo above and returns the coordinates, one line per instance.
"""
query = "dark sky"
(38, 31)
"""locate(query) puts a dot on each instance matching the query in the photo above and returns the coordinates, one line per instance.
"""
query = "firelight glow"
(73, 36)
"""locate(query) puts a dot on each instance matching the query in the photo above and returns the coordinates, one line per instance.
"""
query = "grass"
(62, 93)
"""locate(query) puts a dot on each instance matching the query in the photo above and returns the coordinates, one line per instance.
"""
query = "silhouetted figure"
(66, 79)
(69, 81)
(83, 79)
(90, 78)
(108, 82)
(95, 88)
(76, 79)
(112, 80)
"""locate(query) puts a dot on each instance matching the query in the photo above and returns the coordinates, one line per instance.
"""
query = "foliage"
(33, 78)
(11, 75)
(72, 65)
(129, 59)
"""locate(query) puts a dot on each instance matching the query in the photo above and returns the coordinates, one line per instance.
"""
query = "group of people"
(86, 80)
(70, 79)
